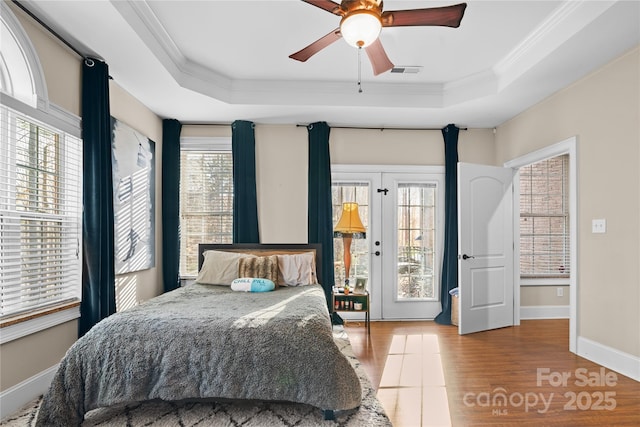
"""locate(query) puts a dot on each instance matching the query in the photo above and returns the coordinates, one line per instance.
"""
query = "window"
(40, 215)
(358, 192)
(544, 219)
(416, 240)
(206, 198)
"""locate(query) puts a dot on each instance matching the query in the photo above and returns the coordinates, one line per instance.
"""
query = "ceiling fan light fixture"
(360, 28)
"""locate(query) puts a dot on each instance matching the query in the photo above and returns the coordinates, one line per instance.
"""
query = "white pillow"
(297, 269)
(220, 267)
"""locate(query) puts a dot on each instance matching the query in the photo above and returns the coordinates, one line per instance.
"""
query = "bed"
(206, 341)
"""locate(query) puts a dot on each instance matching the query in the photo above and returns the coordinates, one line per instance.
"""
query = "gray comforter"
(205, 341)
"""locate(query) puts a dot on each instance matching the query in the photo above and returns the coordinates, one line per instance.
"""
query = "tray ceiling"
(218, 61)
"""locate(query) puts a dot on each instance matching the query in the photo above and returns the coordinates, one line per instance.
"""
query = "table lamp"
(349, 226)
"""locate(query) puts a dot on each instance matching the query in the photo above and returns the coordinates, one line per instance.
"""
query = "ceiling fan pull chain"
(360, 69)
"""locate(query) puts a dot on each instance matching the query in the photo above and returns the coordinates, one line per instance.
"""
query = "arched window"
(21, 76)
(40, 194)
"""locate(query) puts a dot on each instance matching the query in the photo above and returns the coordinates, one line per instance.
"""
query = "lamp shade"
(349, 223)
(360, 28)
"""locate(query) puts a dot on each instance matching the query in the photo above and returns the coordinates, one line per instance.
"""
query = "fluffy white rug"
(247, 413)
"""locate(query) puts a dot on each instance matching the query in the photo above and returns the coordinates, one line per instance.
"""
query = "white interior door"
(486, 247)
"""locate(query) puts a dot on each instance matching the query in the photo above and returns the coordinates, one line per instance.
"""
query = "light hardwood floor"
(427, 375)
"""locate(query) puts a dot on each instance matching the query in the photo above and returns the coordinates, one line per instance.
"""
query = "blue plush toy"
(250, 284)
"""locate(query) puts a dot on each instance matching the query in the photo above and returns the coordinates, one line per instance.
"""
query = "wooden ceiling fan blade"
(327, 5)
(378, 57)
(315, 47)
(447, 16)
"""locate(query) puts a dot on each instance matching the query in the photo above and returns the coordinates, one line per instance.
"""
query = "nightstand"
(349, 302)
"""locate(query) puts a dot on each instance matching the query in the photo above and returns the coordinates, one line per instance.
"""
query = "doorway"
(402, 210)
(567, 146)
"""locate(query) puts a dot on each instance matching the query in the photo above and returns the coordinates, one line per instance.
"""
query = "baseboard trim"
(16, 397)
(616, 360)
(544, 312)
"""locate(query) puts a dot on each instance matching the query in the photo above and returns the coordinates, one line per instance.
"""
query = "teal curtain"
(320, 228)
(245, 204)
(98, 271)
(171, 204)
(450, 259)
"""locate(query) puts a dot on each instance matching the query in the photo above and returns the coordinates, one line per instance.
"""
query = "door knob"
(465, 256)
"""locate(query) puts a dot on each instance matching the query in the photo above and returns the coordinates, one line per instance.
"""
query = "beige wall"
(603, 111)
(30, 355)
(531, 296)
(136, 287)
(281, 174)
(200, 131)
(407, 147)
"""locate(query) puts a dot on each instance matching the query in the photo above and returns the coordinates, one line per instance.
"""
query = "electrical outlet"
(598, 225)
(559, 292)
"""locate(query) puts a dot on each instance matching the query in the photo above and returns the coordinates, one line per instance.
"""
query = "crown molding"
(568, 19)
(565, 22)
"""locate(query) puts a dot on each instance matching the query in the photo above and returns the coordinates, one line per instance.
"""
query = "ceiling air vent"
(406, 70)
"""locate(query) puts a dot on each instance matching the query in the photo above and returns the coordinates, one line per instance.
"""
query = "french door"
(412, 237)
(400, 257)
(358, 187)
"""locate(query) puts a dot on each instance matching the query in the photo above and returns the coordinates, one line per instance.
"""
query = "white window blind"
(206, 198)
(544, 219)
(40, 215)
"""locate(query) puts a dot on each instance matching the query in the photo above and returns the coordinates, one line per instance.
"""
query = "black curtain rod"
(48, 28)
(332, 127)
(205, 124)
(378, 128)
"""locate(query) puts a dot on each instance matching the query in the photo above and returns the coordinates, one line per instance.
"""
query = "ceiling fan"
(362, 21)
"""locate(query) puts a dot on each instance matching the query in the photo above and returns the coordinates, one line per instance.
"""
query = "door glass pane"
(351, 192)
(416, 241)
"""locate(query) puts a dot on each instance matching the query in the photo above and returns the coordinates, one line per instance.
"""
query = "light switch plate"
(598, 225)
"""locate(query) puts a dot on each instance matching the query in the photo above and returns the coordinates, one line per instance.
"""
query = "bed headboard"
(264, 249)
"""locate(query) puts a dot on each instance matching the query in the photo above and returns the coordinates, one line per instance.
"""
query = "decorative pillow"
(220, 267)
(262, 267)
(252, 284)
(297, 269)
